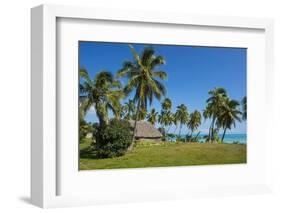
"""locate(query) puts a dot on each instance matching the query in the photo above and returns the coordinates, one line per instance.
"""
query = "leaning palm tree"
(152, 116)
(103, 93)
(182, 116)
(194, 122)
(214, 103)
(143, 78)
(244, 108)
(229, 114)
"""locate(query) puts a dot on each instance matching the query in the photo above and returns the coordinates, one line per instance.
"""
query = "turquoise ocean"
(230, 138)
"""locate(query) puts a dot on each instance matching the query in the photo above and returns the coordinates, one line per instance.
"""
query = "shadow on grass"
(88, 152)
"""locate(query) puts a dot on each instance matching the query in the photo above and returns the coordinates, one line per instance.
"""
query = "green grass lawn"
(151, 154)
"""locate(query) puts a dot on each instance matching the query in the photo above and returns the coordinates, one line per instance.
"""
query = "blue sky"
(192, 72)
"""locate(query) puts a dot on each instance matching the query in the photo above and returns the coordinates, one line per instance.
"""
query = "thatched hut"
(146, 131)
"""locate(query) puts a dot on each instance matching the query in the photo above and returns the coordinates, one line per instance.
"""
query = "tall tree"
(166, 104)
(229, 114)
(214, 103)
(83, 103)
(207, 114)
(169, 117)
(194, 122)
(143, 78)
(175, 122)
(244, 108)
(152, 116)
(165, 118)
(129, 110)
(103, 93)
(166, 113)
(142, 114)
(182, 116)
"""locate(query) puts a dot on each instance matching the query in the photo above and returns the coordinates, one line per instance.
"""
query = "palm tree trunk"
(197, 136)
(168, 129)
(180, 130)
(209, 135)
(223, 135)
(212, 129)
(175, 129)
(102, 121)
(190, 136)
(135, 127)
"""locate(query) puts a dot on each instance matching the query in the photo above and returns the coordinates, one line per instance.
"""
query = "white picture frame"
(45, 178)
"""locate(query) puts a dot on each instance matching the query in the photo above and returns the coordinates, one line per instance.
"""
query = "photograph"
(161, 105)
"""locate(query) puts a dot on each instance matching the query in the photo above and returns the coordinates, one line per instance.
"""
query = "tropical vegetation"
(116, 103)
(144, 79)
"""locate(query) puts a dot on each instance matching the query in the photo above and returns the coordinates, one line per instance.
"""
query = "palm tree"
(167, 104)
(165, 118)
(103, 92)
(229, 114)
(152, 116)
(84, 76)
(194, 122)
(161, 119)
(207, 114)
(167, 114)
(244, 108)
(143, 78)
(182, 116)
(214, 103)
(142, 114)
(129, 110)
(169, 119)
(175, 122)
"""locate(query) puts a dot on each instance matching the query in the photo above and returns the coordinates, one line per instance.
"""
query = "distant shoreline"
(229, 138)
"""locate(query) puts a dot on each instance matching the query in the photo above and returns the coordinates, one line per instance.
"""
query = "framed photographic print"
(149, 106)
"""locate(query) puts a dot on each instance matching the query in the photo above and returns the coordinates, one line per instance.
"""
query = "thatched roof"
(145, 130)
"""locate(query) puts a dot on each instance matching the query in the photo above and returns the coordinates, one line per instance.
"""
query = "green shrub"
(114, 139)
(84, 129)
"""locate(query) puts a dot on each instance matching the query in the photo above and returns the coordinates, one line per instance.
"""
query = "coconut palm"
(244, 108)
(214, 103)
(142, 114)
(84, 76)
(182, 116)
(129, 110)
(175, 122)
(161, 119)
(167, 104)
(143, 78)
(152, 116)
(169, 119)
(229, 114)
(207, 114)
(167, 114)
(194, 122)
(103, 93)
(165, 118)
